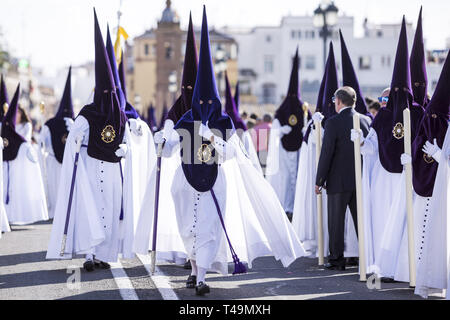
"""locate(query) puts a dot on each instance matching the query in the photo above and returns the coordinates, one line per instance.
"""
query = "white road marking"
(123, 282)
(160, 280)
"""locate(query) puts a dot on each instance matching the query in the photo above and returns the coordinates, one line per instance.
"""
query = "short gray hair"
(347, 95)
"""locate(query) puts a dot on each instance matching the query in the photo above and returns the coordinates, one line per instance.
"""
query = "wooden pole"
(409, 200)
(319, 197)
(359, 203)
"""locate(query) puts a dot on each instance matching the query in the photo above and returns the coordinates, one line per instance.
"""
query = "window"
(268, 38)
(379, 33)
(268, 93)
(310, 62)
(293, 34)
(268, 64)
(146, 49)
(364, 62)
(299, 34)
(169, 51)
(233, 51)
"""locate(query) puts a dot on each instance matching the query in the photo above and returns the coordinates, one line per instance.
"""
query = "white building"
(266, 53)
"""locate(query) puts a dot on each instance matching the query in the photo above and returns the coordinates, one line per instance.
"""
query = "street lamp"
(325, 17)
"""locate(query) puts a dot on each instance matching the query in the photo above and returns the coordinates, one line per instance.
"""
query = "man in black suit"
(336, 171)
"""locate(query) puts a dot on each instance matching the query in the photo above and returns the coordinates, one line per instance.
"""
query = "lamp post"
(325, 17)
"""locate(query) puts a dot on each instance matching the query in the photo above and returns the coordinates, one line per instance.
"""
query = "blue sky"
(56, 33)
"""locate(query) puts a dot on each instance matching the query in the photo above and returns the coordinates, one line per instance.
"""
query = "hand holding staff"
(155, 216)
(359, 202)
(409, 200)
(167, 132)
(320, 243)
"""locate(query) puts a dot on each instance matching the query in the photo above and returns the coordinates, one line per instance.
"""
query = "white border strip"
(160, 280)
(123, 282)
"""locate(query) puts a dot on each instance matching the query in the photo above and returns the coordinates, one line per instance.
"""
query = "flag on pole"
(121, 33)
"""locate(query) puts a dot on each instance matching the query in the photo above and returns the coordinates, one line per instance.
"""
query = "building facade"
(154, 62)
(266, 53)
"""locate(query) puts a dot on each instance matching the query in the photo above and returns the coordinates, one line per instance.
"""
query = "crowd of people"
(211, 185)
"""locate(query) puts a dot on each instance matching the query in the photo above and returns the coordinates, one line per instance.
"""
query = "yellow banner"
(121, 33)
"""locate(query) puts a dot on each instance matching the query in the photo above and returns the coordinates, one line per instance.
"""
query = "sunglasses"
(383, 99)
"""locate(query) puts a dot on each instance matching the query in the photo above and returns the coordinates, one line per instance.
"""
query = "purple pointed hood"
(151, 120)
(3, 97)
(230, 107)
(419, 79)
(65, 109)
(206, 105)
(130, 111)
(184, 102)
(433, 126)
(114, 69)
(200, 166)
(328, 87)
(105, 116)
(291, 111)
(236, 96)
(388, 123)
(11, 139)
(164, 115)
(350, 79)
(57, 124)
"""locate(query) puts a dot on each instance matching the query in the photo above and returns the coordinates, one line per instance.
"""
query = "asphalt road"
(25, 274)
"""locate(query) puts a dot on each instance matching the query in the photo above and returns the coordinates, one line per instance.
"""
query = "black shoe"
(289, 216)
(330, 266)
(352, 262)
(187, 265)
(191, 281)
(387, 280)
(88, 265)
(101, 264)
(201, 289)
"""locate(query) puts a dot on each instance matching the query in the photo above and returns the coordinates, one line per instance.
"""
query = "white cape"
(379, 190)
(433, 270)
(251, 151)
(281, 170)
(27, 202)
(94, 225)
(50, 168)
(4, 224)
(255, 221)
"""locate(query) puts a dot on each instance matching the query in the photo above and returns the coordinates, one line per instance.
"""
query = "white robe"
(304, 219)
(169, 245)
(25, 130)
(255, 221)
(379, 190)
(433, 268)
(251, 151)
(22, 181)
(51, 169)
(4, 224)
(281, 170)
(394, 258)
(94, 224)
